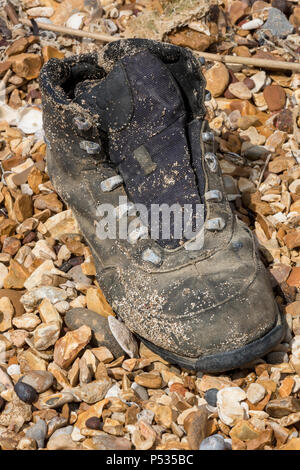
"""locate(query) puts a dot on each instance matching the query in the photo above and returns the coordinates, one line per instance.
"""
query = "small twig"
(35, 28)
(70, 31)
(251, 61)
(263, 170)
(290, 50)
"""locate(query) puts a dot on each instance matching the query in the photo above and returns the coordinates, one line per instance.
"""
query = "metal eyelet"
(211, 161)
(126, 208)
(111, 183)
(137, 233)
(216, 224)
(90, 147)
(207, 96)
(208, 136)
(213, 196)
(47, 142)
(189, 65)
(81, 123)
(151, 257)
(236, 246)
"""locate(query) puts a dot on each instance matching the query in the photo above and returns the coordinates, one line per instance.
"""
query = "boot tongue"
(142, 111)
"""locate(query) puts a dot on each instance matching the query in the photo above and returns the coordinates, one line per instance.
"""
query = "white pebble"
(75, 21)
(62, 306)
(26, 189)
(253, 24)
(255, 393)
(114, 391)
(259, 79)
(76, 435)
(45, 12)
(30, 120)
(229, 407)
(14, 369)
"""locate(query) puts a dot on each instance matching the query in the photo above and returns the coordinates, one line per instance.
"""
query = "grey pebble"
(228, 443)
(38, 432)
(123, 336)
(215, 442)
(277, 24)
(277, 357)
(211, 396)
(255, 152)
(140, 391)
(78, 276)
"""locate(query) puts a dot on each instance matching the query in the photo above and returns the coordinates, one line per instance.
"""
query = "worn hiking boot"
(125, 130)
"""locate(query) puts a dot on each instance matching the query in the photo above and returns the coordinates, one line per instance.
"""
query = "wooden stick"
(252, 61)
(227, 59)
(71, 32)
(263, 170)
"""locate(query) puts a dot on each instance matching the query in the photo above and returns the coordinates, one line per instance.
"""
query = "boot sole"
(226, 360)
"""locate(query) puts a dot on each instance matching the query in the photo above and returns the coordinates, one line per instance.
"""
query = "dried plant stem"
(251, 61)
(71, 32)
(263, 170)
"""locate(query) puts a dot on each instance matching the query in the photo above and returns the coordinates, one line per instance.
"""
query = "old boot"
(126, 130)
